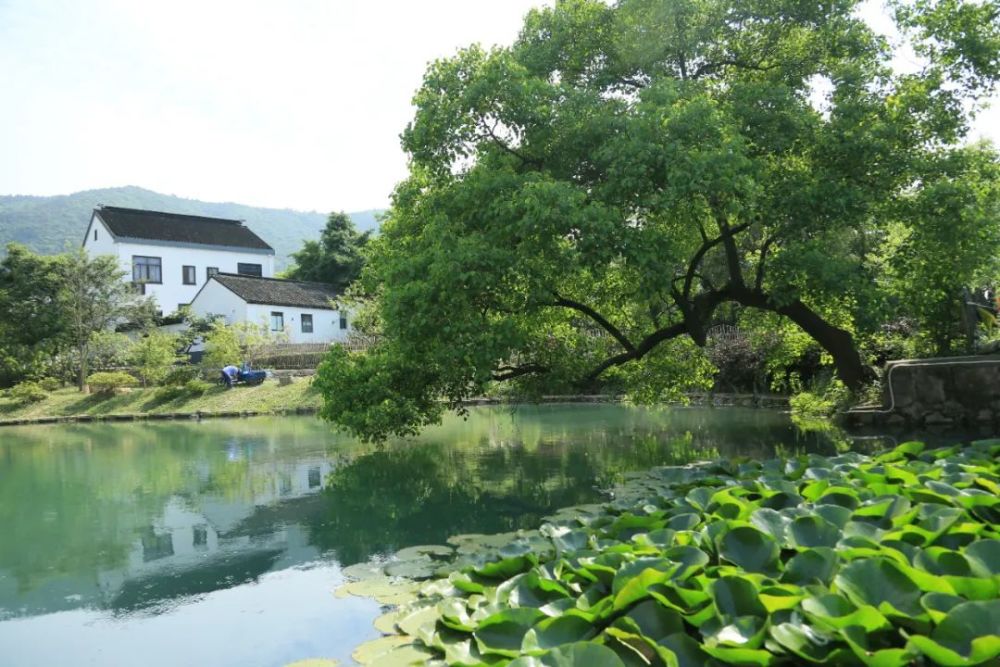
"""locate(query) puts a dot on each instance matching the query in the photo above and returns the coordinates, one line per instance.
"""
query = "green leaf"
(736, 596)
(813, 531)
(750, 549)
(553, 632)
(503, 633)
(881, 583)
(573, 655)
(968, 635)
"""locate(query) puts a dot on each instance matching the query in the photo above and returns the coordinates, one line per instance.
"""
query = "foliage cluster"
(850, 560)
(336, 259)
(28, 391)
(109, 382)
(248, 342)
(585, 204)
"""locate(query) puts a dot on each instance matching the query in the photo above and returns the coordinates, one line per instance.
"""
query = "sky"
(287, 104)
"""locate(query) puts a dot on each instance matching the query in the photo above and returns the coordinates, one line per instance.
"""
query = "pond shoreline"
(764, 401)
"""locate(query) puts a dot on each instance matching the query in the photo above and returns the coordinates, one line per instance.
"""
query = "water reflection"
(134, 520)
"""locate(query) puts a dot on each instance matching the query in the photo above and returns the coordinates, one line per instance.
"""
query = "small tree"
(222, 346)
(94, 297)
(153, 355)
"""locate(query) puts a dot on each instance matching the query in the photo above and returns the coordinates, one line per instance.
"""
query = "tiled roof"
(278, 292)
(179, 228)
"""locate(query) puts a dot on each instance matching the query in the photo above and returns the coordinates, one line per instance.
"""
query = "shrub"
(197, 387)
(110, 383)
(169, 393)
(154, 356)
(28, 392)
(49, 384)
(179, 376)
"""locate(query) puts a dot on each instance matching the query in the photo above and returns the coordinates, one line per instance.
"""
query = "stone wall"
(926, 392)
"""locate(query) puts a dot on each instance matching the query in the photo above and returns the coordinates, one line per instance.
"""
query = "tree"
(32, 328)
(581, 203)
(94, 296)
(336, 258)
(154, 354)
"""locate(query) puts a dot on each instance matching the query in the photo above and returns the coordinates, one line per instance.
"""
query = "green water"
(218, 542)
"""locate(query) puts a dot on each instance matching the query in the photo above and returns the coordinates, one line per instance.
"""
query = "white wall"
(326, 323)
(173, 292)
(218, 300)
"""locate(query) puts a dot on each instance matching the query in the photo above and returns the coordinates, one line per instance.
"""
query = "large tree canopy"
(581, 203)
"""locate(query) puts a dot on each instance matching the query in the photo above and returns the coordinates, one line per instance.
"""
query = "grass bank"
(269, 397)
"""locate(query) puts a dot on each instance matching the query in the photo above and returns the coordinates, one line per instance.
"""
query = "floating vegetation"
(850, 560)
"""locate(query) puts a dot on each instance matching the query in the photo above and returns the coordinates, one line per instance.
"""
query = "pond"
(219, 542)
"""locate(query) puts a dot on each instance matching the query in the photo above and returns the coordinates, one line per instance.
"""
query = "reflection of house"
(170, 256)
(304, 311)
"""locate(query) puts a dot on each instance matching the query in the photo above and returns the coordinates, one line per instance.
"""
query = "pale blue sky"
(292, 103)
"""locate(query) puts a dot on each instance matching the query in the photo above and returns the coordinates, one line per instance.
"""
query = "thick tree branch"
(597, 317)
(510, 372)
(644, 347)
(490, 132)
(707, 245)
(759, 281)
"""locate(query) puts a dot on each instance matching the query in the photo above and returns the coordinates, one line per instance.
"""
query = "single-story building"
(305, 311)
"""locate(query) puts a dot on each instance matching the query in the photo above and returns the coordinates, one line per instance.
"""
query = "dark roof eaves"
(187, 244)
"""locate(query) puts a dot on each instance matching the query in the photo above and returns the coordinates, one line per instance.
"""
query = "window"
(277, 321)
(146, 270)
(95, 233)
(249, 269)
(211, 271)
(315, 477)
(343, 320)
(190, 277)
(307, 323)
(200, 536)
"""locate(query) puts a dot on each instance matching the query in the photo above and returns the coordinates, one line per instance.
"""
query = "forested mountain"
(48, 224)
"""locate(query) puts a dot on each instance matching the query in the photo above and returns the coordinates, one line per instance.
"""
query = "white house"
(303, 310)
(171, 256)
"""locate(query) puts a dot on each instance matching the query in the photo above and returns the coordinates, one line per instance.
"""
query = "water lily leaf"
(813, 531)
(573, 655)
(939, 604)
(681, 650)
(771, 522)
(811, 566)
(737, 596)
(504, 568)
(750, 549)
(804, 641)
(968, 635)
(654, 620)
(835, 612)
(685, 521)
(502, 633)
(881, 583)
(403, 656)
(431, 550)
(553, 632)
(367, 653)
(857, 640)
(364, 570)
(410, 624)
(421, 567)
(984, 557)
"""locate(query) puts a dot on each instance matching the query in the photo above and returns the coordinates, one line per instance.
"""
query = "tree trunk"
(82, 378)
(838, 342)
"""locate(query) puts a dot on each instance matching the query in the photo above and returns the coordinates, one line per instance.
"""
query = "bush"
(197, 387)
(110, 383)
(49, 384)
(179, 376)
(169, 393)
(28, 392)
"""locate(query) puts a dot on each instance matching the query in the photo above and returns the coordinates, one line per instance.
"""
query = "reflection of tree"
(76, 500)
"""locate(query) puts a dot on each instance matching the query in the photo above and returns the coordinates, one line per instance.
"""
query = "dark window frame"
(343, 321)
(258, 272)
(137, 276)
(210, 271)
(95, 233)
(281, 317)
(189, 271)
(302, 322)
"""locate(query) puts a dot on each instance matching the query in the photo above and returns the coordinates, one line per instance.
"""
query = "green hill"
(48, 224)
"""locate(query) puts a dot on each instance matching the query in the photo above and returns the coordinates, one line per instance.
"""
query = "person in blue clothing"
(229, 375)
